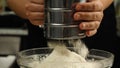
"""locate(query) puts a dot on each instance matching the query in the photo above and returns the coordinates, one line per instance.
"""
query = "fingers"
(35, 16)
(90, 33)
(35, 7)
(37, 22)
(88, 16)
(89, 25)
(35, 11)
(92, 10)
(37, 1)
(89, 6)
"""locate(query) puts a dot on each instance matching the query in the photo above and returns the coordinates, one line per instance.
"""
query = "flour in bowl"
(62, 57)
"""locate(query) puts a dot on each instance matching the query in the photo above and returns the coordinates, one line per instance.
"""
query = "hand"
(91, 14)
(35, 11)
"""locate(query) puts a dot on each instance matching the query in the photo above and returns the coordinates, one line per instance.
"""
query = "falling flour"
(62, 57)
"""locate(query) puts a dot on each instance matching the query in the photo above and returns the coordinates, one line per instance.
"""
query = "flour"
(62, 57)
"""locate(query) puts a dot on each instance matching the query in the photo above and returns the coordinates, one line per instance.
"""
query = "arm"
(106, 3)
(28, 9)
(91, 12)
(18, 6)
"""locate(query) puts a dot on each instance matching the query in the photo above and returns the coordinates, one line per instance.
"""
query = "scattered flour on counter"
(61, 57)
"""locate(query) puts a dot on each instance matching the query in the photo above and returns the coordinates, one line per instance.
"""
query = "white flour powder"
(61, 57)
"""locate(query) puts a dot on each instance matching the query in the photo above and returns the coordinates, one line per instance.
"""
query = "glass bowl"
(29, 58)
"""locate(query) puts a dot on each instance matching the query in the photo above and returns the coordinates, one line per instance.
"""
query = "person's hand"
(35, 11)
(91, 14)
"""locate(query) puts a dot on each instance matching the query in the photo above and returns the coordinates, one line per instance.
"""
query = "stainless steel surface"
(9, 45)
(13, 31)
(59, 23)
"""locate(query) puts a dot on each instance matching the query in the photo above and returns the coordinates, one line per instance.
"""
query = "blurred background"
(14, 32)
